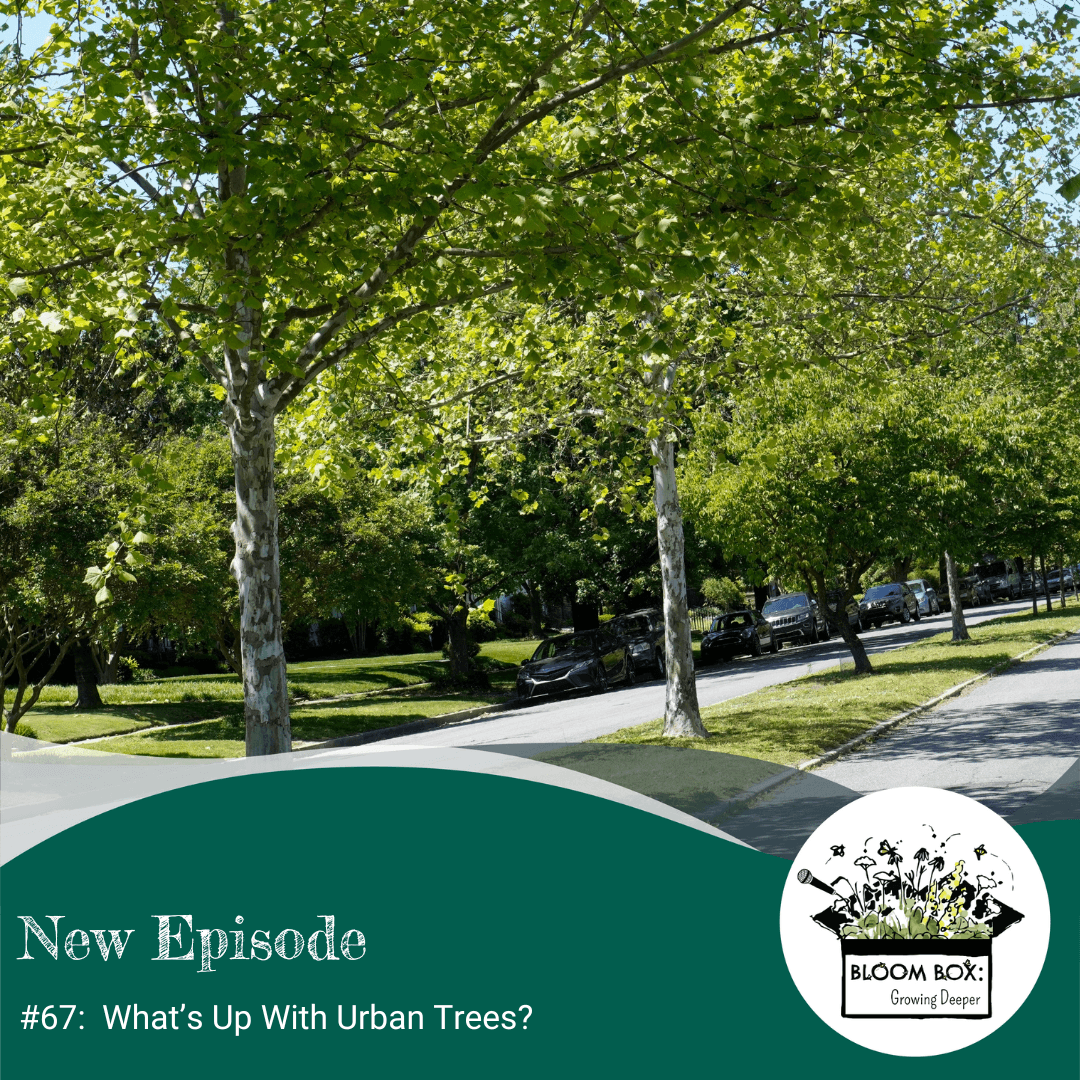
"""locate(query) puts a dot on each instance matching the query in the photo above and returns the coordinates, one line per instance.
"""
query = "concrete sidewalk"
(1004, 743)
(1012, 743)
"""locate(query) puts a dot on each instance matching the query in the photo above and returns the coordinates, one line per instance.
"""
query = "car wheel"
(774, 647)
(815, 637)
(905, 616)
(877, 625)
(918, 614)
(631, 672)
(859, 625)
(937, 609)
(661, 665)
(600, 679)
(755, 645)
(826, 633)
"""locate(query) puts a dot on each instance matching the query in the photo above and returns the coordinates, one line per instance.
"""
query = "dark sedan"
(735, 633)
(590, 660)
(643, 633)
(889, 603)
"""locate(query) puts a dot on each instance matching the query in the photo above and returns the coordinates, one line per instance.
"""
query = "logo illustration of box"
(922, 979)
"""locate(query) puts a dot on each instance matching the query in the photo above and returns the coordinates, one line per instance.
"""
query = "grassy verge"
(212, 705)
(224, 737)
(801, 719)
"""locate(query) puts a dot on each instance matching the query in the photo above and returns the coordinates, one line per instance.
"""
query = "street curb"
(720, 810)
(411, 728)
(955, 691)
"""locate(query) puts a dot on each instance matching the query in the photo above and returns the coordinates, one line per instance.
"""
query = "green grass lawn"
(798, 720)
(209, 700)
(224, 737)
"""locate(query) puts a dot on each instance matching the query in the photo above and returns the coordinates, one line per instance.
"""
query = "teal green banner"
(392, 922)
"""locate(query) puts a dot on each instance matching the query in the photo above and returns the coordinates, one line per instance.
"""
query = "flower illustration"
(924, 902)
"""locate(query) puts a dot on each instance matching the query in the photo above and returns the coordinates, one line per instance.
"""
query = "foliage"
(723, 593)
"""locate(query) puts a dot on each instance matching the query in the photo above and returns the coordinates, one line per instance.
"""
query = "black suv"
(894, 602)
(737, 632)
(796, 617)
(589, 660)
(643, 634)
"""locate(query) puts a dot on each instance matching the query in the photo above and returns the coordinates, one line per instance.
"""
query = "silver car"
(927, 596)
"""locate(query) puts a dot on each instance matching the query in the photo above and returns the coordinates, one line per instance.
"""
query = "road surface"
(549, 725)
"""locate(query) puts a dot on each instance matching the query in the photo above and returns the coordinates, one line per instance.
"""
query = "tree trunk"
(761, 596)
(1034, 588)
(255, 567)
(457, 625)
(901, 567)
(107, 661)
(85, 677)
(959, 623)
(681, 714)
(839, 624)
(586, 616)
(536, 610)
(1045, 583)
(1061, 583)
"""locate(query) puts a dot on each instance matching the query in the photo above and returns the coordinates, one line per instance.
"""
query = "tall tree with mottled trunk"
(288, 194)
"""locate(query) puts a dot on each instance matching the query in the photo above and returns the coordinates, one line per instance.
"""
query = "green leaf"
(17, 286)
(1070, 189)
(103, 595)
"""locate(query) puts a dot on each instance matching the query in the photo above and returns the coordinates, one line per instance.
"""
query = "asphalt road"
(1004, 743)
(548, 725)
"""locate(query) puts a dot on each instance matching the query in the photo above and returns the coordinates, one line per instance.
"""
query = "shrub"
(724, 593)
(480, 624)
(128, 671)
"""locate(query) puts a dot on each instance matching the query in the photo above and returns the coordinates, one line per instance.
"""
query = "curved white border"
(48, 788)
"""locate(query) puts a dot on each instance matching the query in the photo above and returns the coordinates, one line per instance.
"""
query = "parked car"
(970, 594)
(643, 633)
(894, 602)
(1053, 579)
(737, 632)
(832, 598)
(795, 617)
(589, 660)
(999, 578)
(926, 595)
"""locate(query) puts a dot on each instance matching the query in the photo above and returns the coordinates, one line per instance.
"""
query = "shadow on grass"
(398, 675)
(689, 780)
(66, 725)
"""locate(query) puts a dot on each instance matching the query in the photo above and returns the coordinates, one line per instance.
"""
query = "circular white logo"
(915, 921)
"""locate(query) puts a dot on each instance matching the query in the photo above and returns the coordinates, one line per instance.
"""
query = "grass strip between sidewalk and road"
(807, 717)
(145, 716)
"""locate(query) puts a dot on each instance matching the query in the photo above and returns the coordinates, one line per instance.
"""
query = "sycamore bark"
(255, 567)
(682, 717)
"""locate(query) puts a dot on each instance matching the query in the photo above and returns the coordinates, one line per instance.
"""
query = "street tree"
(287, 193)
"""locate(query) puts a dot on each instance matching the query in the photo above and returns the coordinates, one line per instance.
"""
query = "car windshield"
(879, 592)
(784, 603)
(917, 586)
(733, 622)
(577, 645)
(994, 569)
